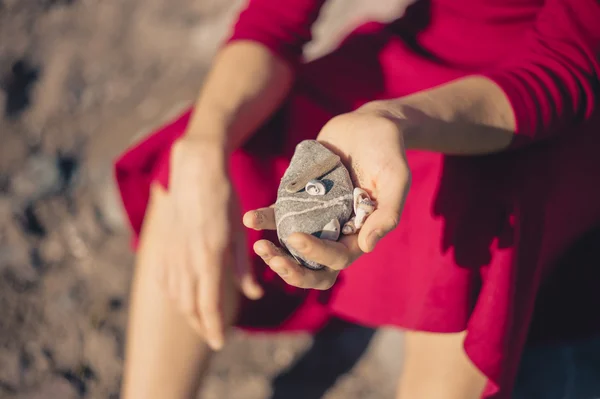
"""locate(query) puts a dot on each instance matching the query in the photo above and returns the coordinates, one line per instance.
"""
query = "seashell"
(326, 164)
(349, 227)
(359, 195)
(315, 187)
(363, 207)
(331, 231)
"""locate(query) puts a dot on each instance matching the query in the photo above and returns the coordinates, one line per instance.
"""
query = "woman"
(486, 109)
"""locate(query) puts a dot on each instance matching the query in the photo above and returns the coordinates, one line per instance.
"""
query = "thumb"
(391, 196)
(244, 273)
(377, 226)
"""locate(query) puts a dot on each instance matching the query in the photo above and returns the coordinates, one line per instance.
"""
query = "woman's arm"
(246, 84)
(466, 117)
(551, 82)
(249, 79)
(254, 71)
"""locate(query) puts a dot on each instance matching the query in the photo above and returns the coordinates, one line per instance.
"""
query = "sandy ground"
(79, 81)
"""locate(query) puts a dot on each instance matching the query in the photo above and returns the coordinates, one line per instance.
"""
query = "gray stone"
(298, 211)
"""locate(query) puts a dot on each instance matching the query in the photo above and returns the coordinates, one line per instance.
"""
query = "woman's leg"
(436, 366)
(164, 357)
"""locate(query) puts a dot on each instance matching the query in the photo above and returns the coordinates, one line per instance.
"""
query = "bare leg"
(164, 357)
(436, 366)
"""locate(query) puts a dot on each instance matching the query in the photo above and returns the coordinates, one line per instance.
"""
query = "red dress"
(484, 240)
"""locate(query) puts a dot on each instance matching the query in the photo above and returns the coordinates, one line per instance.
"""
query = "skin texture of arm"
(250, 77)
(254, 71)
(470, 116)
(548, 85)
(234, 101)
(201, 228)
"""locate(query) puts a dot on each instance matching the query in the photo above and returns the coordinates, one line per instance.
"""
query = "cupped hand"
(203, 226)
(371, 147)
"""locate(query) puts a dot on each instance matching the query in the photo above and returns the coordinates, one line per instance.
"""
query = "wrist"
(209, 130)
(200, 154)
(396, 112)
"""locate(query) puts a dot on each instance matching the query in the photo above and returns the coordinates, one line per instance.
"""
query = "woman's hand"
(372, 148)
(203, 225)
(202, 209)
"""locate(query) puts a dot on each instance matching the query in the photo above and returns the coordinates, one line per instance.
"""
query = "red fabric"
(552, 78)
(482, 239)
(288, 35)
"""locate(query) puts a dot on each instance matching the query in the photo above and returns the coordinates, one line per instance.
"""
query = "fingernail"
(373, 239)
(260, 252)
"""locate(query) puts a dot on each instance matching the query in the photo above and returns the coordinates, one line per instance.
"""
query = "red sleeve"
(553, 80)
(284, 27)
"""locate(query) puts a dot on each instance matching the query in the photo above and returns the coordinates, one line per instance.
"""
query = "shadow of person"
(567, 360)
(335, 351)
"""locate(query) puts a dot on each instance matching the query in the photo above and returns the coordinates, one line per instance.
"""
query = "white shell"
(363, 207)
(315, 187)
(331, 231)
(359, 195)
(349, 227)
(361, 216)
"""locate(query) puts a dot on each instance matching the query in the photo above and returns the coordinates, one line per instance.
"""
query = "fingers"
(391, 195)
(187, 303)
(187, 293)
(244, 275)
(209, 295)
(207, 242)
(336, 255)
(290, 271)
(175, 275)
(260, 219)
(377, 225)
(174, 260)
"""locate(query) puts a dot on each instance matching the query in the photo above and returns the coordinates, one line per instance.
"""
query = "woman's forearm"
(245, 85)
(468, 116)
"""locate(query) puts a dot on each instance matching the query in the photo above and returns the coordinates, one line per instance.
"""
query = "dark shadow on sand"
(334, 352)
